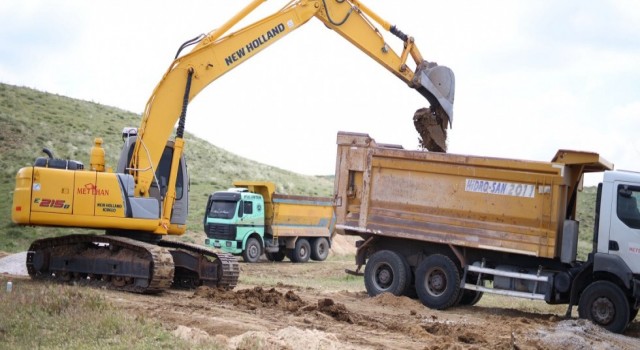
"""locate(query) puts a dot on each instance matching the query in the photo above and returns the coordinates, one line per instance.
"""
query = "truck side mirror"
(240, 209)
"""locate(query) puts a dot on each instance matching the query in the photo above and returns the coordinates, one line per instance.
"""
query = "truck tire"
(278, 256)
(438, 282)
(606, 305)
(319, 249)
(469, 297)
(386, 271)
(301, 252)
(252, 250)
(632, 313)
(410, 287)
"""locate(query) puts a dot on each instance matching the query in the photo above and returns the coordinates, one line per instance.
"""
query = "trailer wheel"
(606, 305)
(301, 252)
(385, 271)
(410, 287)
(319, 249)
(278, 256)
(438, 282)
(252, 251)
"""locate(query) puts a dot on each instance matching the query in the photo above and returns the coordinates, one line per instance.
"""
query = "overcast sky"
(532, 76)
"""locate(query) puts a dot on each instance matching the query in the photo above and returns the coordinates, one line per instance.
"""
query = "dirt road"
(317, 306)
(304, 310)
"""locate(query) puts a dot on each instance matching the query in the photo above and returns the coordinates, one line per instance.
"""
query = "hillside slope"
(31, 120)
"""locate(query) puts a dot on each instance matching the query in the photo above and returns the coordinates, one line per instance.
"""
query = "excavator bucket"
(437, 84)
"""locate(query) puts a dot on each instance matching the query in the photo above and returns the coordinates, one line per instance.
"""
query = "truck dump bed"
(290, 215)
(507, 205)
(301, 216)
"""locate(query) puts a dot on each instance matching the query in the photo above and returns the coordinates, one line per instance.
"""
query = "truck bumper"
(232, 247)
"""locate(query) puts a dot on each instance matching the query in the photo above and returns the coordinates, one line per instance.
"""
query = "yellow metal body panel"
(85, 187)
(97, 222)
(59, 197)
(21, 208)
(302, 216)
(489, 203)
(293, 216)
(109, 198)
(52, 191)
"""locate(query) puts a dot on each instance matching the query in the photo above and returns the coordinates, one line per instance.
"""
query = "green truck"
(251, 219)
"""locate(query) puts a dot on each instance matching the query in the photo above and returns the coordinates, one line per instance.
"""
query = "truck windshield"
(222, 210)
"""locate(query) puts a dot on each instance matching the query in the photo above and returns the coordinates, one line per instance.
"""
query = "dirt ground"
(311, 310)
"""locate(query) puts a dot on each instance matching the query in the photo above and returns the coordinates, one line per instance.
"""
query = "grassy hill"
(31, 120)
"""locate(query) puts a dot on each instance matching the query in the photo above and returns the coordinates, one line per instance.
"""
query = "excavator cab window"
(162, 173)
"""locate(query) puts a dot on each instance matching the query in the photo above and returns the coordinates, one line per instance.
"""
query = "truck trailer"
(252, 218)
(451, 227)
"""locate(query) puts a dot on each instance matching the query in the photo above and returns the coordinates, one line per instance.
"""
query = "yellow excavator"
(146, 198)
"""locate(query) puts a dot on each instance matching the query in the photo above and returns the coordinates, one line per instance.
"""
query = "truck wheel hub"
(385, 277)
(436, 282)
(603, 310)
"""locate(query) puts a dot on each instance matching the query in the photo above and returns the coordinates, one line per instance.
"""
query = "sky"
(532, 76)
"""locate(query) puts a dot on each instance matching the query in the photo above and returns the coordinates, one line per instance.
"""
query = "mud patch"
(252, 299)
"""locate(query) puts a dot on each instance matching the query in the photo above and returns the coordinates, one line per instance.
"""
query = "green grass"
(585, 214)
(31, 120)
(43, 316)
(328, 275)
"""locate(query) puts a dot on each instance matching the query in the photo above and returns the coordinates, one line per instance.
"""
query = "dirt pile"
(432, 128)
(260, 298)
(252, 299)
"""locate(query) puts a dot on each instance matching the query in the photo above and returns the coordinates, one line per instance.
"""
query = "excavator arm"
(219, 52)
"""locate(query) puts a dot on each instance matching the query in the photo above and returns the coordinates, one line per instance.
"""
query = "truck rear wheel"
(301, 252)
(470, 297)
(438, 282)
(606, 305)
(252, 250)
(320, 249)
(278, 256)
(386, 271)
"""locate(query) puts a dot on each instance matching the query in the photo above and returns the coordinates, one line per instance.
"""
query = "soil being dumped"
(431, 125)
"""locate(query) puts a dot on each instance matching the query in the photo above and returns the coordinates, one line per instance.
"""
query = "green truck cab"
(251, 219)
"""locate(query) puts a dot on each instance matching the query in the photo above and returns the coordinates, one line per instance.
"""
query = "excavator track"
(197, 265)
(101, 260)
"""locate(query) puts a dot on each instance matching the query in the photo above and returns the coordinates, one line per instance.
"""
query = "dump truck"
(251, 218)
(449, 227)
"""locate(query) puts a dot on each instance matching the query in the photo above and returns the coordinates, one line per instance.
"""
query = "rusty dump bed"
(507, 205)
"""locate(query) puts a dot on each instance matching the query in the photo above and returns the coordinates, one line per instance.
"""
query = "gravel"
(14, 264)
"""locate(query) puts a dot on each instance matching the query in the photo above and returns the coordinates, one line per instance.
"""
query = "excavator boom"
(215, 55)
